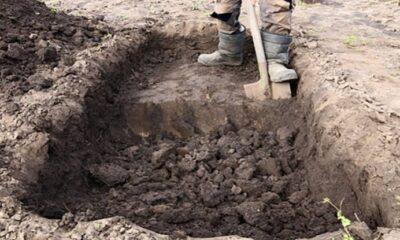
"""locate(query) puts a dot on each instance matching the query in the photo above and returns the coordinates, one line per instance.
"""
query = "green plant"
(350, 41)
(353, 41)
(53, 5)
(53, 10)
(124, 17)
(343, 220)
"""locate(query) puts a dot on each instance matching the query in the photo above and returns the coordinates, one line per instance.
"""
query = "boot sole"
(284, 80)
(220, 64)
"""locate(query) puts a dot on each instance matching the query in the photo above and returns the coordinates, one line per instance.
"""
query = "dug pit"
(178, 149)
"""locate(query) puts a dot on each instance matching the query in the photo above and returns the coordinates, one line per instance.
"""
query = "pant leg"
(227, 12)
(276, 16)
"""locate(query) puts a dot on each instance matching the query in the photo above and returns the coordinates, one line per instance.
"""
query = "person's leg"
(227, 12)
(276, 26)
(231, 35)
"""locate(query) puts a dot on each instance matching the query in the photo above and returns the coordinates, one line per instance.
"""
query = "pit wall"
(53, 126)
(349, 149)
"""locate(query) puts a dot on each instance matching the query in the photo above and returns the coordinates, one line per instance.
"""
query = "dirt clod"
(109, 174)
(198, 186)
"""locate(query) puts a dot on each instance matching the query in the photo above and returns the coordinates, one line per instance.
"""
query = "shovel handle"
(258, 45)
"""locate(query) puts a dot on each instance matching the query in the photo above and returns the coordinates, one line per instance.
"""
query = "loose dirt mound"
(31, 35)
(229, 182)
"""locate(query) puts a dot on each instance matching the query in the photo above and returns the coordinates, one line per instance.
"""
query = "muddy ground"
(122, 125)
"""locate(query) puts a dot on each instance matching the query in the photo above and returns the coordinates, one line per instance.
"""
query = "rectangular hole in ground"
(179, 150)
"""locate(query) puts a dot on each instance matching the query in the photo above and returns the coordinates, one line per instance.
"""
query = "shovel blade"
(256, 91)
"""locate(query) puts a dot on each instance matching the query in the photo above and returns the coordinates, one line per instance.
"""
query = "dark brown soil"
(230, 181)
(31, 35)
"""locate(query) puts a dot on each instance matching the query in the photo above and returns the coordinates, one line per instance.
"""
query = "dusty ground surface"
(355, 47)
(67, 144)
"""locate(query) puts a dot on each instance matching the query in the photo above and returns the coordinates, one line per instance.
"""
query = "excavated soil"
(33, 37)
(179, 150)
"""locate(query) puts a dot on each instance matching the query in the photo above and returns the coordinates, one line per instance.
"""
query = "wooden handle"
(255, 32)
(258, 45)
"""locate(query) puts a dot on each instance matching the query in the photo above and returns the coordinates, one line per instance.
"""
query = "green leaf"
(347, 237)
(345, 221)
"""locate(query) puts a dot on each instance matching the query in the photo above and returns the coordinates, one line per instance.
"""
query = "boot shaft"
(276, 47)
(232, 44)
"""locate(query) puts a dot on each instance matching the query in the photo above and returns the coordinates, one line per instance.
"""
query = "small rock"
(17, 217)
(11, 108)
(109, 174)
(160, 209)
(160, 157)
(279, 186)
(40, 82)
(5, 72)
(3, 46)
(297, 197)
(201, 171)
(270, 197)
(100, 17)
(131, 151)
(285, 135)
(16, 51)
(245, 170)
(153, 198)
(67, 221)
(251, 211)
(236, 190)
(78, 38)
(33, 36)
(69, 31)
(312, 44)
(183, 151)
(361, 230)
(210, 194)
(42, 44)
(143, 212)
(187, 164)
(12, 78)
(269, 166)
(68, 60)
(219, 178)
(47, 54)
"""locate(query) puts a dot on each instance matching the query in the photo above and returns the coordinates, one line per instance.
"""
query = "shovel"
(262, 89)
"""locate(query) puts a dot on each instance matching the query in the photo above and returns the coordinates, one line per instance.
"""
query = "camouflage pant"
(275, 15)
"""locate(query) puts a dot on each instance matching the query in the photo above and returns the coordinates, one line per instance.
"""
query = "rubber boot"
(230, 50)
(277, 54)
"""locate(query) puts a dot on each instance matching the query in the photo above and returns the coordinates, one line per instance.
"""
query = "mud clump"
(227, 182)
